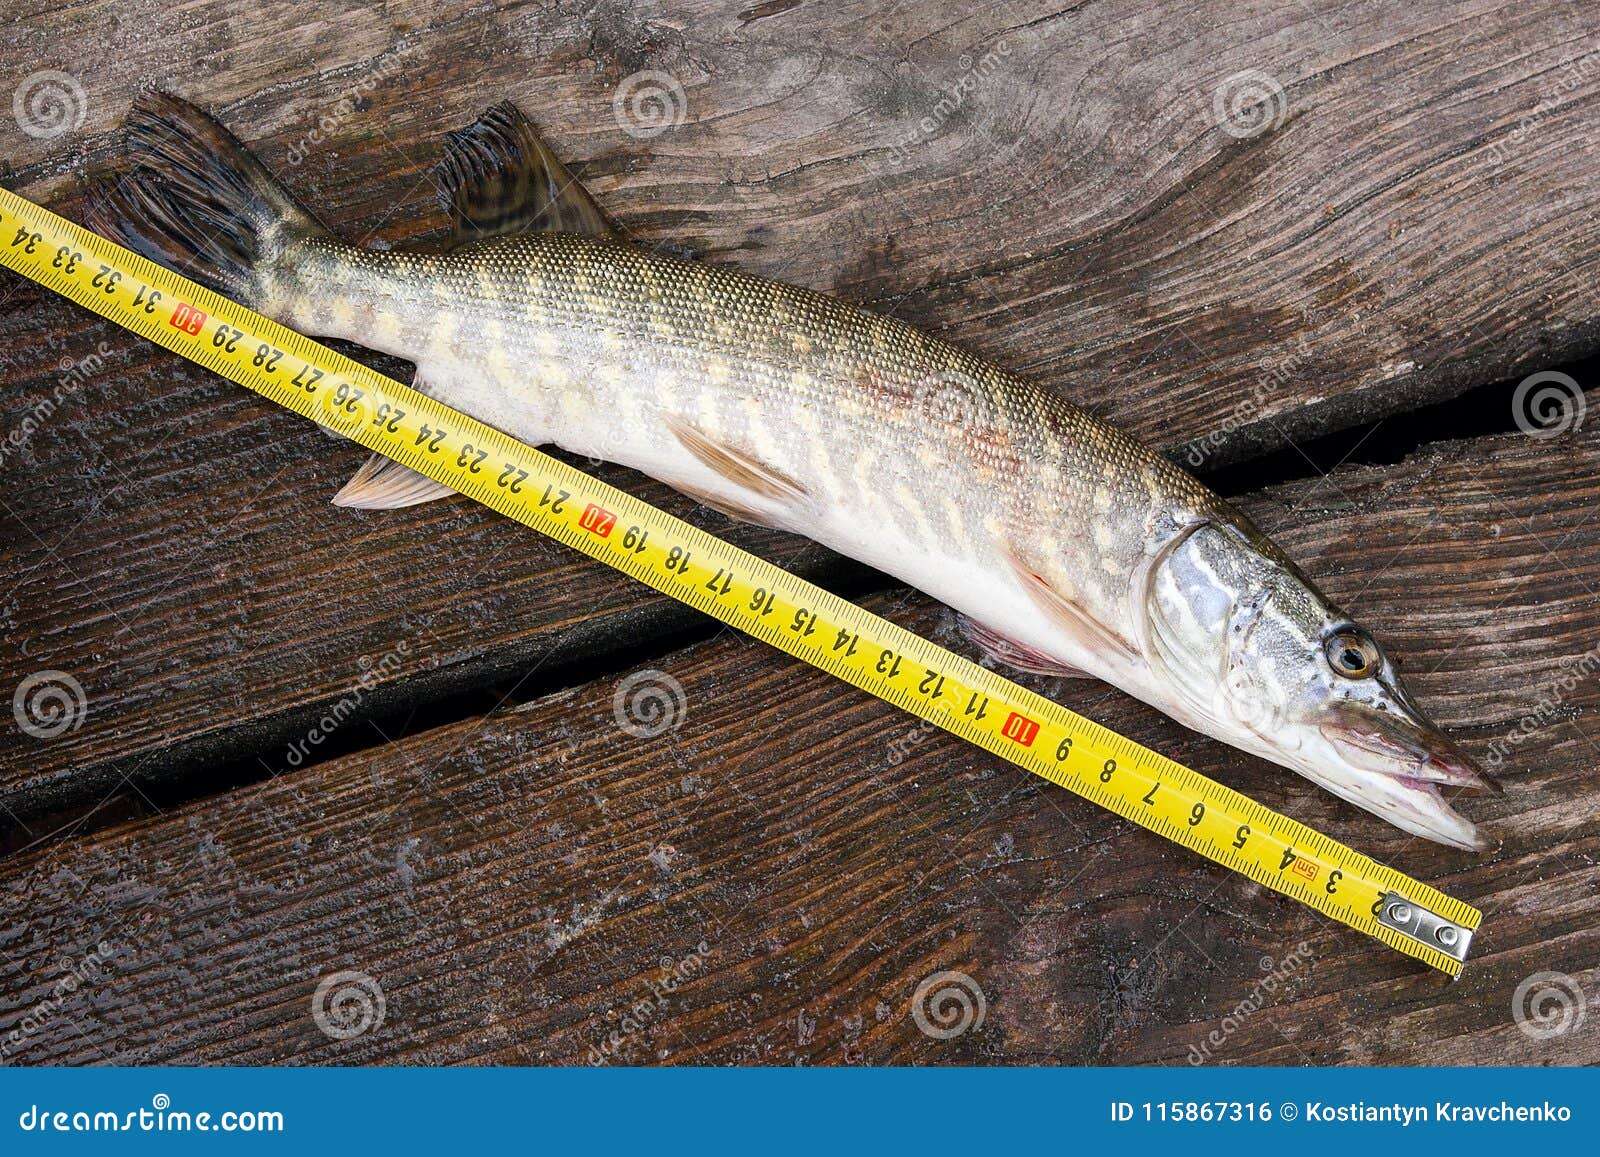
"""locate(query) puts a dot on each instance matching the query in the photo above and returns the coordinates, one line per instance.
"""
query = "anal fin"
(1011, 653)
(384, 484)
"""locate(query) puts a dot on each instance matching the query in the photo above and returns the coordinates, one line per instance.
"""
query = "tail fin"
(198, 202)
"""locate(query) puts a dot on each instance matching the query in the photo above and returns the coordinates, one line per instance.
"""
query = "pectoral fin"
(1070, 618)
(1013, 654)
(497, 177)
(384, 484)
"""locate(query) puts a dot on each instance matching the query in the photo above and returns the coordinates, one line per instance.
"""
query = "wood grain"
(1049, 185)
(517, 884)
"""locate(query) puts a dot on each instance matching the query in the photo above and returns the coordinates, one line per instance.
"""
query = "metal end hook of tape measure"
(1425, 927)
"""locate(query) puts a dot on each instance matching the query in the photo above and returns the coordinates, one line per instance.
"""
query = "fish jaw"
(1413, 795)
(1408, 774)
(1400, 794)
(1407, 746)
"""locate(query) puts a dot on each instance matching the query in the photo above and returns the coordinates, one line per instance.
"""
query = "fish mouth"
(1401, 768)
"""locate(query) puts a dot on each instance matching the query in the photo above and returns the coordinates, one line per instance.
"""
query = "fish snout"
(1450, 765)
(1406, 746)
(1401, 766)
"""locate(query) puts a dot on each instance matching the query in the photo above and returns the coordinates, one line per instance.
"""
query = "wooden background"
(1058, 187)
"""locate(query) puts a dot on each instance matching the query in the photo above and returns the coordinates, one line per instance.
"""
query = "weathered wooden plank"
(516, 885)
(1074, 210)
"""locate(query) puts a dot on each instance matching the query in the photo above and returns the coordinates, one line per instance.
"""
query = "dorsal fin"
(498, 177)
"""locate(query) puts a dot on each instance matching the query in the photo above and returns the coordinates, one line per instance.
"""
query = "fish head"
(1279, 671)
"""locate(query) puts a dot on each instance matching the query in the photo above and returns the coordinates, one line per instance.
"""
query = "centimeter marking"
(722, 580)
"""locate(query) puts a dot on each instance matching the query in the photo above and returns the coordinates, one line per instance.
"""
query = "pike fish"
(1067, 547)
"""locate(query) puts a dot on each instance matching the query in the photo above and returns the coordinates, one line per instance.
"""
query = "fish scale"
(849, 417)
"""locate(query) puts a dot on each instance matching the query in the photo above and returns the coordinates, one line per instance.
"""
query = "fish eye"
(1352, 653)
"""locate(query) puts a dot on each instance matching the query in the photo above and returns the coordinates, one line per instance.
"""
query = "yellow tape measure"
(732, 585)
